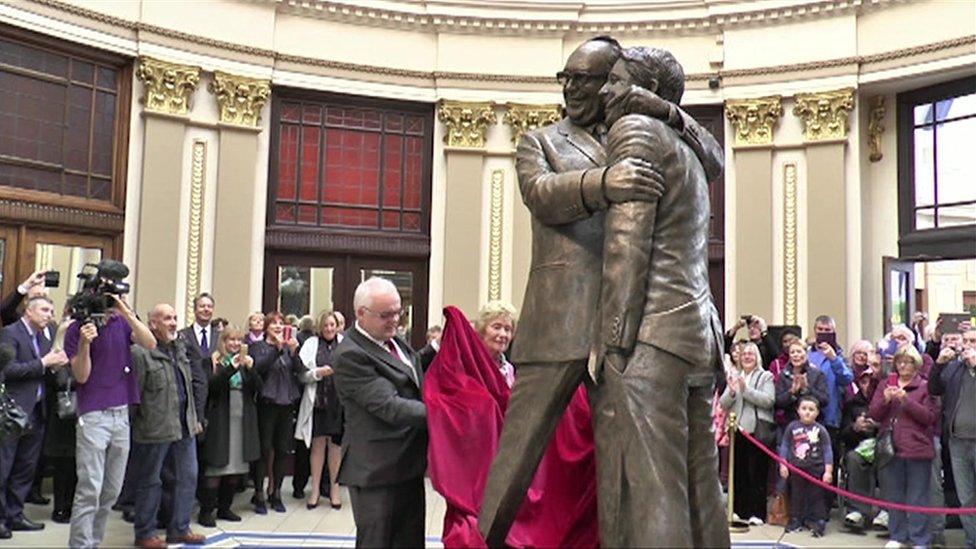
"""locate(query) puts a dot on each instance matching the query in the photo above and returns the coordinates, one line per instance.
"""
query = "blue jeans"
(909, 481)
(963, 454)
(148, 459)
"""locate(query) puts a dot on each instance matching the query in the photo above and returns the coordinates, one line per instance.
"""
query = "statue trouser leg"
(657, 465)
(540, 396)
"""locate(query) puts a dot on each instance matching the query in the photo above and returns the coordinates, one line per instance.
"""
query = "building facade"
(277, 151)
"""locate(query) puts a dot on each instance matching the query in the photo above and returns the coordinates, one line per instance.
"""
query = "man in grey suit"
(567, 185)
(659, 344)
(384, 445)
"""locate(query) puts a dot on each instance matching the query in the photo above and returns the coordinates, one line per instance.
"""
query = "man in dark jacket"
(379, 381)
(165, 424)
(32, 287)
(954, 377)
(24, 380)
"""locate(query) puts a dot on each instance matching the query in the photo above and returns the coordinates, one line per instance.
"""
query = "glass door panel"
(68, 260)
(305, 290)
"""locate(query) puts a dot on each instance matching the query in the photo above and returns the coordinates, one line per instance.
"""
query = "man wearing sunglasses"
(567, 185)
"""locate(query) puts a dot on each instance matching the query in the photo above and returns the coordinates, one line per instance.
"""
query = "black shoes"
(24, 524)
(228, 515)
(206, 519)
(260, 507)
(298, 494)
(5, 532)
(61, 516)
(34, 497)
(277, 505)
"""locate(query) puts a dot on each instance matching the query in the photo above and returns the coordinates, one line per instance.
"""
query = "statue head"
(585, 72)
(653, 69)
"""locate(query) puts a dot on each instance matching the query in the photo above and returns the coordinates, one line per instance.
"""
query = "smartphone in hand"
(286, 334)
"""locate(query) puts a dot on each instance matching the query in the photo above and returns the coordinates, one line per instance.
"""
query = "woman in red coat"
(902, 405)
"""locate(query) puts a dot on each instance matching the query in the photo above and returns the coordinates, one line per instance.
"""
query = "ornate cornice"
(571, 17)
(754, 119)
(240, 99)
(824, 114)
(392, 18)
(318, 239)
(522, 117)
(466, 123)
(876, 128)
(60, 216)
(168, 86)
(495, 234)
(790, 263)
(198, 174)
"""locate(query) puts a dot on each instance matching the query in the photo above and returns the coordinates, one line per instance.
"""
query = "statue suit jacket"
(655, 271)
(25, 373)
(560, 170)
(556, 165)
(385, 437)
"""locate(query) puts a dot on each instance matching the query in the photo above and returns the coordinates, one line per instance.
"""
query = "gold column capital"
(168, 85)
(754, 119)
(824, 114)
(466, 123)
(239, 98)
(876, 127)
(523, 117)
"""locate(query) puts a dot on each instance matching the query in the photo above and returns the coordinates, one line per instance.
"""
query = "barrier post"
(735, 526)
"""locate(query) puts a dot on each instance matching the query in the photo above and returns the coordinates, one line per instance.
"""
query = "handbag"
(884, 447)
(778, 513)
(13, 421)
(67, 403)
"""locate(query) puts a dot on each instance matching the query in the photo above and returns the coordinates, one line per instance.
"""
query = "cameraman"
(758, 334)
(101, 360)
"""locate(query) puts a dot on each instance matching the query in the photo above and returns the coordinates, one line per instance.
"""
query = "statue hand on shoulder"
(638, 100)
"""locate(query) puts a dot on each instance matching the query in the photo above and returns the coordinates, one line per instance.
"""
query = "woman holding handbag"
(750, 394)
(905, 412)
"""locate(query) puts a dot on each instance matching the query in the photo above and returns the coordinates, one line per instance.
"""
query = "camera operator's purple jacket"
(112, 381)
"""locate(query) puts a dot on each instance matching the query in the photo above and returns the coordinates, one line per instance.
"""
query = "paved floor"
(327, 527)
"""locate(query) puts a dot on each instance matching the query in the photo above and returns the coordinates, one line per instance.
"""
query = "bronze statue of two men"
(618, 298)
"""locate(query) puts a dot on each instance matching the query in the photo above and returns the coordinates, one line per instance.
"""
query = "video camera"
(98, 282)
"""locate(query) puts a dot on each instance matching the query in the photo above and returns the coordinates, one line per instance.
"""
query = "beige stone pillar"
(240, 101)
(825, 120)
(464, 136)
(168, 88)
(753, 121)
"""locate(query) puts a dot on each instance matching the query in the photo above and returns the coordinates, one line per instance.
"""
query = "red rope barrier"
(857, 497)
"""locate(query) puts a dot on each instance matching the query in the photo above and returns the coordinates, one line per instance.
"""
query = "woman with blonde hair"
(232, 440)
(320, 414)
(255, 327)
(496, 326)
(750, 394)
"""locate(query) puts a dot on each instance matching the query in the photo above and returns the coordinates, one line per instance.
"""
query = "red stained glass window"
(58, 113)
(345, 165)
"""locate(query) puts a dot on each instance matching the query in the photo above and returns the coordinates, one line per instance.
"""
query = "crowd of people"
(893, 420)
(153, 421)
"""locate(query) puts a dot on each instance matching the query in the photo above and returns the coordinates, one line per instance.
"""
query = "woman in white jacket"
(750, 394)
(320, 414)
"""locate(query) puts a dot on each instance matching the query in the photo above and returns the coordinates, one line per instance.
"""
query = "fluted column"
(239, 101)
(754, 121)
(825, 118)
(168, 88)
(465, 126)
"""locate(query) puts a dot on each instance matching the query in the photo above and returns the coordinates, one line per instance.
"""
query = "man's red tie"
(392, 348)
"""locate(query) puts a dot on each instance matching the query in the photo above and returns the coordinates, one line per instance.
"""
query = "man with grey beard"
(165, 424)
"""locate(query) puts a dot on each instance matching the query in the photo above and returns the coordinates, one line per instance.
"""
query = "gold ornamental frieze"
(466, 123)
(496, 207)
(825, 114)
(790, 254)
(876, 127)
(168, 86)
(523, 117)
(240, 99)
(754, 119)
